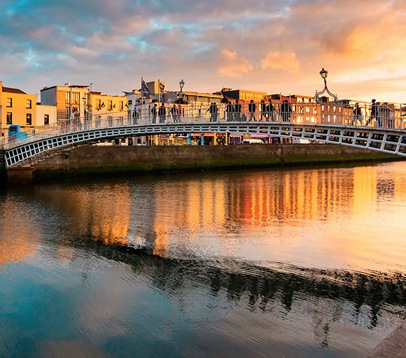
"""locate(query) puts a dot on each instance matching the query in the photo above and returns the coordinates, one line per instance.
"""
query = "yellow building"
(79, 100)
(16, 107)
(102, 103)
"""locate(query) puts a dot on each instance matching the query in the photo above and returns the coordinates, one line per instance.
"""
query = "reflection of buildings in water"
(99, 212)
(260, 199)
(225, 205)
(385, 189)
(19, 233)
(291, 195)
(104, 215)
(364, 191)
(185, 207)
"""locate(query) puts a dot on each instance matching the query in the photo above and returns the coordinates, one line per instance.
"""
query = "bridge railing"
(386, 116)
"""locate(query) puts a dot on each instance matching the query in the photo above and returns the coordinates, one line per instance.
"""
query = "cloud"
(248, 44)
(281, 61)
(232, 66)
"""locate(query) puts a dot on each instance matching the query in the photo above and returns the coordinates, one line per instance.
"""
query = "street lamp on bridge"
(323, 74)
(180, 94)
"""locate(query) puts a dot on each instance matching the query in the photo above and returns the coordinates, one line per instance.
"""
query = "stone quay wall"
(93, 161)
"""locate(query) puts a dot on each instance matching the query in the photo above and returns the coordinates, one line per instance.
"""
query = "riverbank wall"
(93, 161)
(3, 173)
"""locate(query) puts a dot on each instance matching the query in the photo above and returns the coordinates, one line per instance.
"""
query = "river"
(306, 262)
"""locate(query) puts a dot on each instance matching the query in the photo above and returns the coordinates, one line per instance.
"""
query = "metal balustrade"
(322, 122)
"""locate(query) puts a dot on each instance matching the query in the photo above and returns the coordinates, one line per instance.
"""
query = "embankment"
(88, 161)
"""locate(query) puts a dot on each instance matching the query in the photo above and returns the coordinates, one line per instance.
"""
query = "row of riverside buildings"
(61, 103)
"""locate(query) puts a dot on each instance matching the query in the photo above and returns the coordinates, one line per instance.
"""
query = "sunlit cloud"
(232, 66)
(281, 61)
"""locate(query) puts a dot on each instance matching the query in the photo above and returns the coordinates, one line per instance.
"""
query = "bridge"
(308, 121)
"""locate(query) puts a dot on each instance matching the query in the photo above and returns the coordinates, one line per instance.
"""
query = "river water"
(258, 263)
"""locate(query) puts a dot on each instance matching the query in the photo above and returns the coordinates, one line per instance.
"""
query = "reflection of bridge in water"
(309, 124)
(358, 297)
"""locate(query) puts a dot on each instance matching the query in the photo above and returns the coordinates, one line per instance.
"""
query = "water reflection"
(318, 249)
(349, 296)
(330, 215)
(19, 234)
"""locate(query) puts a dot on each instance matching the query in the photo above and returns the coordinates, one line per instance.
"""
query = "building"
(79, 101)
(196, 98)
(46, 115)
(68, 99)
(16, 107)
(243, 95)
(97, 103)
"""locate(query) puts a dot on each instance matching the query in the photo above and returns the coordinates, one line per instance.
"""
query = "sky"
(263, 45)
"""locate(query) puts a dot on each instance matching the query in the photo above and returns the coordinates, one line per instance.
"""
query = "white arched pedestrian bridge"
(339, 128)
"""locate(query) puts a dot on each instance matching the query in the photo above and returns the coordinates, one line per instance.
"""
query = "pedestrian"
(385, 114)
(230, 111)
(285, 111)
(237, 110)
(180, 112)
(270, 111)
(213, 110)
(357, 114)
(154, 112)
(162, 113)
(263, 110)
(251, 109)
(174, 113)
(135, 116)
(374, 113)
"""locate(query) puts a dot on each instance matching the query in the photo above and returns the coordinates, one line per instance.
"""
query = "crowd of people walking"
(375, 113)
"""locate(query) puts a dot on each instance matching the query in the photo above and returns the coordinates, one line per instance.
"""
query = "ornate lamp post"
(181, 85)
(323, 74)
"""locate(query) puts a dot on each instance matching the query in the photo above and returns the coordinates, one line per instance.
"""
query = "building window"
(75, 97)
(46, 119)
(109, 105)
(67, 112)
(9, 119)
(98, 104)
(67, 97)
(29, 119)
(121, 106)
(9, 102)
(29, 104)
